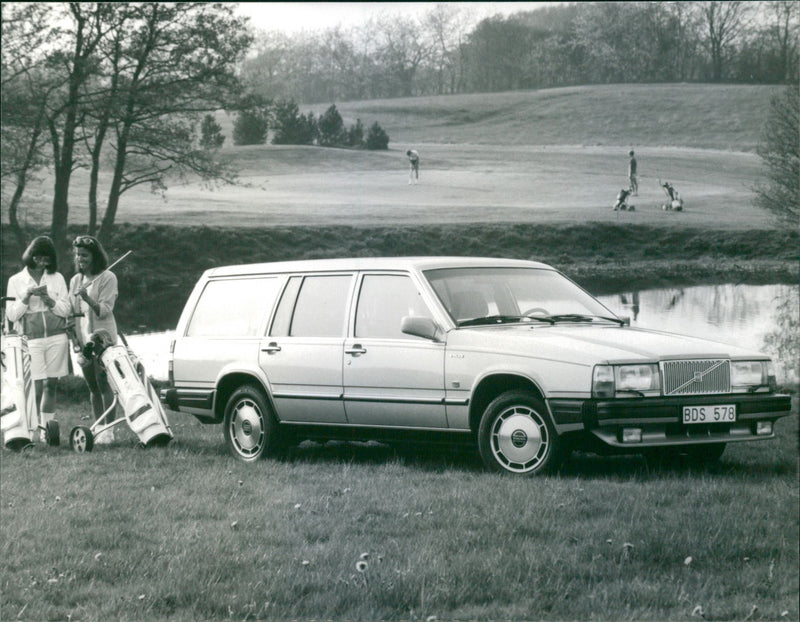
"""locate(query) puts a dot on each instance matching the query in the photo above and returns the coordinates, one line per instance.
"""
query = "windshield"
(509, 294)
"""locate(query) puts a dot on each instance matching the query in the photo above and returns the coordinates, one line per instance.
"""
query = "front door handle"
(356, 349)
(271, 347)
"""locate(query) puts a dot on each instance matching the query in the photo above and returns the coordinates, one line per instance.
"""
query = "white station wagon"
(509, 356)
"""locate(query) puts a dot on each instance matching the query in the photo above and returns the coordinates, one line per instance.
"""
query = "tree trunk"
(116, 184)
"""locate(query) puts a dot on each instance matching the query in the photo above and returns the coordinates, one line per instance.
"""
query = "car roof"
(373, 263)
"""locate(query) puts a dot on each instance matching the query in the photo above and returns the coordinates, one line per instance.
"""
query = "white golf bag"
(132, 391)
(141, 405)
(20, 419)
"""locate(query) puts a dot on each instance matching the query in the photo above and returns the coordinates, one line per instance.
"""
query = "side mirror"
(423, 327)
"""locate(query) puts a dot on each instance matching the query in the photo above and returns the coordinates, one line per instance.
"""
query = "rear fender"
(230, 378)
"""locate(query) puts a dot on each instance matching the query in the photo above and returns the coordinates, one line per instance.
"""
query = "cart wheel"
(18, 444)
(52, 434)
(81, 439)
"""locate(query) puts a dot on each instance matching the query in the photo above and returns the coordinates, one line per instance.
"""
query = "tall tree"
(86, 24)
(180, 62)
(785, 18)
(780, 154)
(26, 88)
(724, 23)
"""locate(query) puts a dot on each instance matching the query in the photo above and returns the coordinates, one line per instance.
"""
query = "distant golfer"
(634, 182)
(413, 173)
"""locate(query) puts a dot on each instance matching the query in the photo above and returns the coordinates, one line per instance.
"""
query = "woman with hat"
(40, 312)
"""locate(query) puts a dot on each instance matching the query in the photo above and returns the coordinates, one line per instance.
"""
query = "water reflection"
(758, 317)
(765, 318)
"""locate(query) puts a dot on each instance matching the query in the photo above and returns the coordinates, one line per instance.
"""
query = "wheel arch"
(496, 384)
(228, 383)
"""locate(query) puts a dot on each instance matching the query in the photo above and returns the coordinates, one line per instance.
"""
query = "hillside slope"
(685, 115)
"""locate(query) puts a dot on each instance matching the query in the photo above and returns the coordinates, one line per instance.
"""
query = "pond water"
(758, 317)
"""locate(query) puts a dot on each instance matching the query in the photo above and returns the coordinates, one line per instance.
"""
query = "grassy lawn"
(188, 533)
(359, 531)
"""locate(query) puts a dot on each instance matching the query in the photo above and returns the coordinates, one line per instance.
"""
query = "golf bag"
(675, 200)
(621, 203)
(20, 420)
(132, 391)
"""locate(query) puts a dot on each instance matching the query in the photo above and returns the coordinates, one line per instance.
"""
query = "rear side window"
(321, 307)
(232, 307)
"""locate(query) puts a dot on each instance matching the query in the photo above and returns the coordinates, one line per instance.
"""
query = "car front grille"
(696, 377)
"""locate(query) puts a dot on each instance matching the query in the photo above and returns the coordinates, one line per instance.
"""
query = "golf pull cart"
(675, 200)
(621, 203)
(20, 421)
(133, 392)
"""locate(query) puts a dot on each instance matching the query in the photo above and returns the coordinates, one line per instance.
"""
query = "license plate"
(719, 413)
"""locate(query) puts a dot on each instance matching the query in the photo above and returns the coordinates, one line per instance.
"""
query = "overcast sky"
(296, 16)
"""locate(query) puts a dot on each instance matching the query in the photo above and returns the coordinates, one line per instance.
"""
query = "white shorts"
(49, 357)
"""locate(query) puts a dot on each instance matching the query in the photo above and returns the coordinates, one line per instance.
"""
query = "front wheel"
(81, 439)
(516, 436)
(250, 426)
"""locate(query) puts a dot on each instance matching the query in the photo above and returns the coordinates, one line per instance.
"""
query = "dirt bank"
(158, 277)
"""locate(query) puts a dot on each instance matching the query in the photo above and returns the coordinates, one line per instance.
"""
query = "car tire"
(250, 426)
(516, 436)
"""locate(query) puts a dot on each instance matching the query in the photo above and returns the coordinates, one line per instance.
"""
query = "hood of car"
(589, 344)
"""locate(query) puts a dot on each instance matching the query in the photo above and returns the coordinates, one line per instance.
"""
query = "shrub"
(291, 127)
(250, 127)
(377, 138)
(355, 135)
(211, 133)
(331, 128)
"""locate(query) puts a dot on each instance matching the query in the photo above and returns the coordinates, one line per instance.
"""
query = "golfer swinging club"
(413, 173)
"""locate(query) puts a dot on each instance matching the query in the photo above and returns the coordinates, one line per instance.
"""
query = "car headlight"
(608, 380)
(752, 375)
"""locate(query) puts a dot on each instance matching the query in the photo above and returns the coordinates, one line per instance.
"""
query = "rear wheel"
(52, 434)
(516, 436)
(250, 426)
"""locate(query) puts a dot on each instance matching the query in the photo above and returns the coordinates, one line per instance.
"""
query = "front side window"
(384, 300)
(321, 307)
(232, 307)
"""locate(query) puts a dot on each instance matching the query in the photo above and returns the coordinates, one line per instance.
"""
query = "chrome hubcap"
(247, 430)
(519, 439)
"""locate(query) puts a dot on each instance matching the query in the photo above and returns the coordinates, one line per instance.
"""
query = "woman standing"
(39, 312)
(93, 292)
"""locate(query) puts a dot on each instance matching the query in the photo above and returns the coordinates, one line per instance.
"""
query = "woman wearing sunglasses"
(39, 312)
(93, 292)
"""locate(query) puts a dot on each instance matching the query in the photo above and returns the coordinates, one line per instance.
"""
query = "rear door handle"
(356, 349)
(271, 347)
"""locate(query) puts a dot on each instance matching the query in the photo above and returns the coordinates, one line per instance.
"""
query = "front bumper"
(660, 419)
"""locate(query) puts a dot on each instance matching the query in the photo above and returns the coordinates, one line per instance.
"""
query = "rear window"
(321, 307)
(232, 307)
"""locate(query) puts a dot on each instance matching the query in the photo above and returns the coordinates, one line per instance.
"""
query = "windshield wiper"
(490, 319)
(577, 317)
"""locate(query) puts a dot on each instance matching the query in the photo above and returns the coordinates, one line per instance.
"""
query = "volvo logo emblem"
(698, 376)
(247, 427)
(519, 438)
